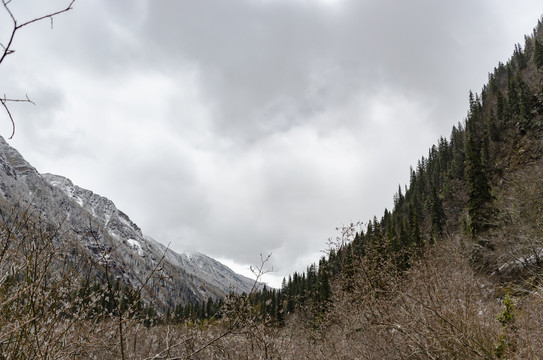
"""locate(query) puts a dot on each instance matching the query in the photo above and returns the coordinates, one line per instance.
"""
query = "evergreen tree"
(538, 54)
(398, 198)
(291, 295)
(458, 156)
(348, 272)
(210, 308)
(414, 228)
(325, 291)
(479, 190)
(502, 110)
(520, 102)
(437, 214)
(403, 259)
(519, 57)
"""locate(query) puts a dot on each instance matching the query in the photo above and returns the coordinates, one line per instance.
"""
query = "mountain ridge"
(107, 233)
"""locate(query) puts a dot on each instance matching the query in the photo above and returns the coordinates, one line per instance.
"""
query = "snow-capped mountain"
(107, 235)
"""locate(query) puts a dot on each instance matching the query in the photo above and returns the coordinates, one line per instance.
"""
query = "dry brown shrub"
(44, 316)
(440, 309)
(527, 327)
(445, 309)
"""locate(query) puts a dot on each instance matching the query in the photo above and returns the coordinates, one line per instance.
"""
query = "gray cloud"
(245, 127)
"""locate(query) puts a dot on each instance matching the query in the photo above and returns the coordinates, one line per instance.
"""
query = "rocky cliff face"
(111, 239)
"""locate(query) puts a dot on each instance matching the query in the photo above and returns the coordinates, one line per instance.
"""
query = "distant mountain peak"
(102, 229)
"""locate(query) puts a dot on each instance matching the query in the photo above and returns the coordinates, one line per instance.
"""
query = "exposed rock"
(109, 236)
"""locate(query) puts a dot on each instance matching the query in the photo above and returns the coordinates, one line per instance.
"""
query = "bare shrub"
(56, 301)
(37, 276)
(439, 309)
(515, 251)
(527, 327)
(447, 310)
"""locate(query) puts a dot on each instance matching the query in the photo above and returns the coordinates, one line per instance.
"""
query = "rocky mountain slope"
(110, 239)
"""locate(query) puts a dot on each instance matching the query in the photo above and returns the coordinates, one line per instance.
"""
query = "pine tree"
(538, 53)
(348, 271)
(502, 111)
(479, 191)
(437, 214)
(210, 308)
(414, 228)
(403, 259)
(324, 290)
(457, 168)
(398, 198)
(519, 57)
(520, 102)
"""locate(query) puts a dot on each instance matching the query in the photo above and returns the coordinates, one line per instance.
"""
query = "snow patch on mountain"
(109, 236)
(134, 244)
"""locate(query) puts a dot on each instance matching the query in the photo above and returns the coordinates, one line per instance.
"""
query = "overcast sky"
(245, 127)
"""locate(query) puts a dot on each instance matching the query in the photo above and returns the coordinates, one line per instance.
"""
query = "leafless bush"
(56, 301)
(515, 253)
(440, 309)
(447, 310)
(528, 330)
(38, 310)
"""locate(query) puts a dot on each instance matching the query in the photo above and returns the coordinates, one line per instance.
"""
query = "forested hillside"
(453, 270)
(482, 185)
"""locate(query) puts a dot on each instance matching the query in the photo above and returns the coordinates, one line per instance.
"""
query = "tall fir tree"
(437, 214)
(538, 53)
(479, 191)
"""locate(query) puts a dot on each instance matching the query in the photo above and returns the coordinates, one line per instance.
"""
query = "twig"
(10, 118)
(4, 104)
(8, 51)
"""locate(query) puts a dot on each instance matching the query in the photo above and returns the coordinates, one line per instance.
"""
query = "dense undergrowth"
(441, 307)
(453, 271)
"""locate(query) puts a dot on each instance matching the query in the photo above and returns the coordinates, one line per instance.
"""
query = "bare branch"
(10, 118)
(8, 51)
(48, 16)
(27, 100)
(260, 271)
(4, 102)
